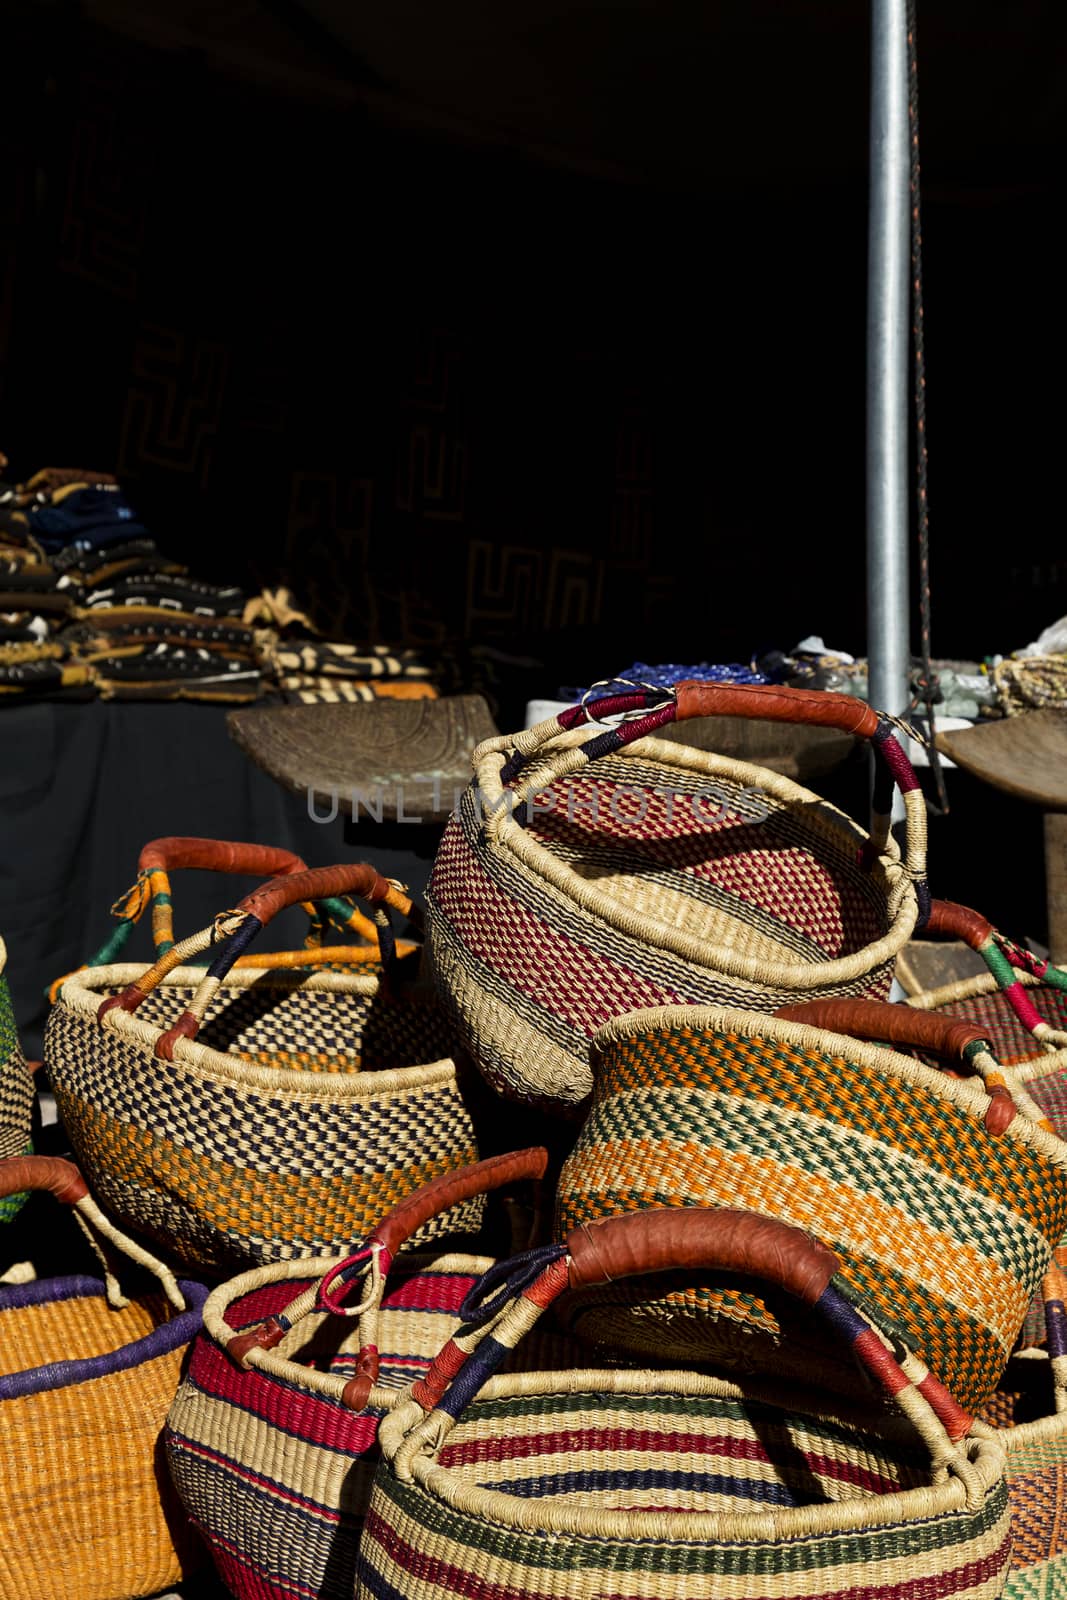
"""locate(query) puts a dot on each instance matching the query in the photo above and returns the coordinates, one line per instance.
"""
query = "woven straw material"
(943, 1229)
(16, 1092)
(1043, 1073)
(1036, 1439)
(273, 1469)
(676, 1487)
(657, 875)
(88, 1515)
(287, 1128)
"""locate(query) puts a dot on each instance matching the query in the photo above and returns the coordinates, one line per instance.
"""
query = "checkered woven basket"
(86, 1376)
(272, 1437)
(308, 1104)
(16, 1092)
(583, 876)
(902, 1170)
(1030, 1406)
(581, 1485)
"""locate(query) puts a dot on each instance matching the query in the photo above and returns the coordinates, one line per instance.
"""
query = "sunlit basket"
(86, 1377)
(674, 1486)
(942, 1201)
(589, 871)
(309, 1104)
(272, 1437)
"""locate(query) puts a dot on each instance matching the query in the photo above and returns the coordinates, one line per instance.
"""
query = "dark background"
(540, 326)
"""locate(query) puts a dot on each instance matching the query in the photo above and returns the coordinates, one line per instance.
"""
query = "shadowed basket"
(239, 1117)
(16, 1093)
(588, 871)
(903, 1171)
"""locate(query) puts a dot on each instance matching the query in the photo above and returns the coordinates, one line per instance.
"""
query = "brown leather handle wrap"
(61, 1177)
(897, 1025)
(954, 921)
(179, 852)
(685, 1237)
(320, 884)
(773, 703)
(452, 1187)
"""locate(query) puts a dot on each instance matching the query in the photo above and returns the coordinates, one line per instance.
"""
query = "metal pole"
(888, 301)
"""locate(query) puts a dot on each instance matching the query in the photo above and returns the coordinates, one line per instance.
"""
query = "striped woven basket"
(900, 1169)
(16, 1093)
(674, 1486)
(289, 1125)
(1021, 1006)
(86, 1377)
(583, 876)
(272, 1437)
(1030, 1407)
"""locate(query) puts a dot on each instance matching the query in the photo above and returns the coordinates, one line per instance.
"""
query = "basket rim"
(280, 1368)
(80, 994)
(1042, 1064)
(451, 1488)
(167, 1337)
(968, 1095)
(827, 819)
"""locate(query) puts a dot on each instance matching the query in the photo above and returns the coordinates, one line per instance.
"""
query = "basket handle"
(656, 1241)
(643, 711)
(61, 1178)
(950, 920)
(239, 927)
(902, 1027)
(375, 1257)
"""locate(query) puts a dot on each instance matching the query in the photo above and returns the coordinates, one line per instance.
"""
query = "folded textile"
(89, 638)
(36, 676)
(304, 689)
(168, 592)
(331, 657)
(87, 517)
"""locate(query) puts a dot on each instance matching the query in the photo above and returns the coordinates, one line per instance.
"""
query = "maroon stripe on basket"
(546, 965)
(426, 1570)
(311, 1417)
(523, 1447)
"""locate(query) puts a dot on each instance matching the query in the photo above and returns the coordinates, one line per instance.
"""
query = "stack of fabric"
(300, 667)
(94, 607)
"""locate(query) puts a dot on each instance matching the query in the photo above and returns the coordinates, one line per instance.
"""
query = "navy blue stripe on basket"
(543, 1487)
(234, 946)
(161, 1341)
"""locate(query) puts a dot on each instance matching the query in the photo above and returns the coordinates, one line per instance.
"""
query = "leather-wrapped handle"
(61, 1178)
(180, 852)
(896, 1025)
(772, 702)
(322, 883)
(687, 1238)
(953, 921)
(451, 1188)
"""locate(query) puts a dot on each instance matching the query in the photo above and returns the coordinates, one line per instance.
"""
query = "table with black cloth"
(84, 785)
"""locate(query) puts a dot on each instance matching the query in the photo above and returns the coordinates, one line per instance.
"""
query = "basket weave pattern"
(228, 1162)
(943, 1230)
(16, 1092)
(533, 948)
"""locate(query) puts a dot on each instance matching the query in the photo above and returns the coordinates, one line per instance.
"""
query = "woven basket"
(289, 1126)
(564, 893)
(16, 1093)
(86, 1377)
(272, 1437)
(901, 1170)
(674, 1486)
(1029, 1409)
